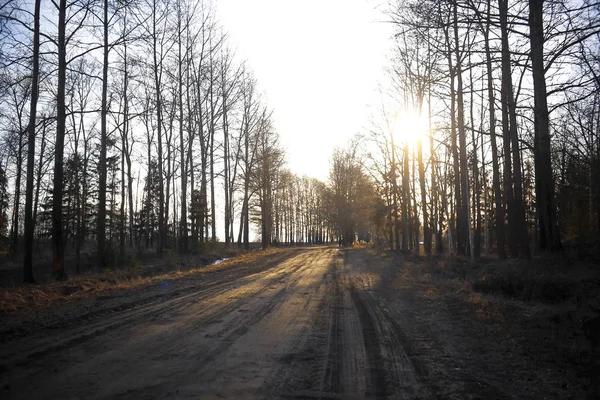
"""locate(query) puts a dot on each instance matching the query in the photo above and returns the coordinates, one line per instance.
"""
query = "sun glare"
(409, 128)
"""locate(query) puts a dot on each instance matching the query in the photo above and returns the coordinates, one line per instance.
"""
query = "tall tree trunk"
(101, 226)
(241, 228)
(124, 153)
(14, 239)
(405, 200)
(476, 210)
(213, 222)
(463, 209)
(170, 161)
(518, 243)
(453, 222)
(500, 213)
(38, 179)
(506, 90)
(58, 259)
(245, 206)
(159, 122)
(190, 162)
(29, 222)
(225, 161)
(212, 158)
(415, 213)
(84, 195)
(127, 153)
(518, 226)
(201, 225)
(424, 204)
(522, 236)
(549, 235)
(183, 223)
(78, 206)
(393, 176)
(130, 198)
(426, 226)
(436, 215)
(203, 192)
(149, 194)
(122, 222)
(486, 201)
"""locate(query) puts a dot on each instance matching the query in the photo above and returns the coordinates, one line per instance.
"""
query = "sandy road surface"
(308, 327)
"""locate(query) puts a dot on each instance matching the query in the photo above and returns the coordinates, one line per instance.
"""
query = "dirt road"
(301, 329)
(313, 323)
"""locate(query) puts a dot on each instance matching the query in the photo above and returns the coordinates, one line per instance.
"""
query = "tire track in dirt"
(333, 368)
(131, 319)
(341, 356)
(371, 339)
(252, 314)
(17, 355)
(301, 371)
(310, 327)
(403, 375)
(434, 344)
(108, 304)
(226, 326)
(245, 359)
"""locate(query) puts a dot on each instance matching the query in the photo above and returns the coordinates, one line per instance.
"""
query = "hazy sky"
(318, 62)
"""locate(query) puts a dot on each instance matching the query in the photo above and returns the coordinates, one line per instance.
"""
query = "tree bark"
(476, 200)
(101, 226)
(58, 260)
(159, 122)
(183, 223)
(463, 204)
(393, 177)
(426, 224)
(549, 235)
(500, 213)
(405, 200)
(453, 223)
(14, 239)
(506, 93)
(29, 222)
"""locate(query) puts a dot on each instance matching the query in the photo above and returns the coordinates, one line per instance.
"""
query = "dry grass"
(546, 301)
(38, 297)
(539, 315)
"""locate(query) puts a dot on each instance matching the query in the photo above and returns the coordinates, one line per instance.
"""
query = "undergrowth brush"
(555, 298)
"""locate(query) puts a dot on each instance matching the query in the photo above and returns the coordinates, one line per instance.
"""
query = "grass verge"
(551, 302)
(29, 298)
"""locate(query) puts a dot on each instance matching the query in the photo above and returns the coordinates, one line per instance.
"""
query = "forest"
(158, 238)
(132, 126)
(506, 157)
(157, 122)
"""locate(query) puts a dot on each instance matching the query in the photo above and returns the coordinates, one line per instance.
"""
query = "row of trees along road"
(132, 123)
(509, 158)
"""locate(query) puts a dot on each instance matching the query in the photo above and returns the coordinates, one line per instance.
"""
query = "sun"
(410, 127)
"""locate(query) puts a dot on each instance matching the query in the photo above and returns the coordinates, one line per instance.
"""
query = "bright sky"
(319, 63)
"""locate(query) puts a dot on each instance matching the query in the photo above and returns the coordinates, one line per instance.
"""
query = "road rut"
(308, 327)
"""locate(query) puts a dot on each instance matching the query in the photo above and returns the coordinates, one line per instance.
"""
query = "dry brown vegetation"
(538, 318)
(548, 307)
(28, 298)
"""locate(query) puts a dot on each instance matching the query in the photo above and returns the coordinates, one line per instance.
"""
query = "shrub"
(526, 282)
